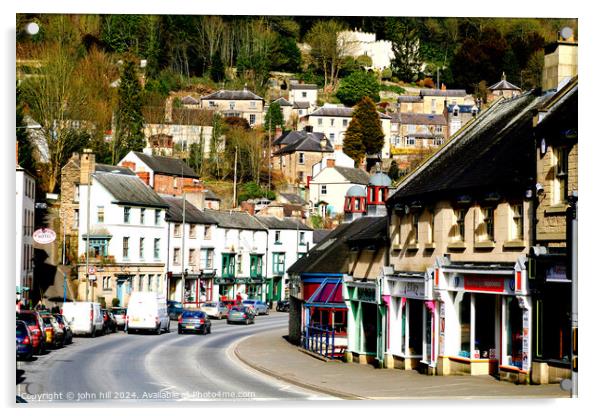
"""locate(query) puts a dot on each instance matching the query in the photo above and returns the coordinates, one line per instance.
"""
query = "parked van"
(84, 318)
(147, 311)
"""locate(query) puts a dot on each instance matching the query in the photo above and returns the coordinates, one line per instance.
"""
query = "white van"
(84, 318)
(147, 311)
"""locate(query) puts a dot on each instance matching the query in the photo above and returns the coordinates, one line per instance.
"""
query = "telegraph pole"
(235, 164)
(88, 235)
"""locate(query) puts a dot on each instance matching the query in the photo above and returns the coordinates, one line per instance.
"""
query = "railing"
(320, 340)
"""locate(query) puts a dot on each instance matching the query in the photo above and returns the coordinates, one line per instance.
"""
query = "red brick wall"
(164, 184)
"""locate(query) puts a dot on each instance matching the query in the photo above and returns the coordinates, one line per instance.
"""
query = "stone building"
(244, 104)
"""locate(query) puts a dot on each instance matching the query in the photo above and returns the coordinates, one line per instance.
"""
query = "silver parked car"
(258, 306)
(215, 309)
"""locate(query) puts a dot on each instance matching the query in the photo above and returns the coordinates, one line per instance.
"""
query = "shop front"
(411, 323)
(324, 316)
(484, 319)
(366, 320)
(255, 288)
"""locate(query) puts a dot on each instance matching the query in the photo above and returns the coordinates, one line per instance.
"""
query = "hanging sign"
(44, 236)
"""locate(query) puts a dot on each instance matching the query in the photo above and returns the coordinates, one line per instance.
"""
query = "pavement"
(271, 354)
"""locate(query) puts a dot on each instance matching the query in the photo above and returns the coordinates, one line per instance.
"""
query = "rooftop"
(193, 214)
(232, 95)
(419, 119)
(129, 190)
(340, 112)
(354, 175)
(442, 93)
(167, 165)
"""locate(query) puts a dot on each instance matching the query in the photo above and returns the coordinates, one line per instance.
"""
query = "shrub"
(115, 302)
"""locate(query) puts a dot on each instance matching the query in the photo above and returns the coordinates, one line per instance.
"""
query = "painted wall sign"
(44, 236)
(366, 294)
(484, 284)
(413, 290)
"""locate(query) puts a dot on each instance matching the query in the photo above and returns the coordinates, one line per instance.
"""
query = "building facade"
(24, 227)
(244, 104)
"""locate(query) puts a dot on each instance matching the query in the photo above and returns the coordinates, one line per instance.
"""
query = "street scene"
(295, 208)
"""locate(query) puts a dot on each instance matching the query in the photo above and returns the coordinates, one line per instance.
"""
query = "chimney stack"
(330, 163)
(87, 166)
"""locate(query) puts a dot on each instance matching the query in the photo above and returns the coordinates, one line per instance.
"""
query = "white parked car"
(84, 318)
(215, 309)
(147, 311)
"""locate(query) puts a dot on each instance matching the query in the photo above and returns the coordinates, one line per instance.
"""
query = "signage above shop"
(556, 273)
(484, 284)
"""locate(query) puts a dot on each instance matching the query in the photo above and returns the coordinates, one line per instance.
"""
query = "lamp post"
(88, 233)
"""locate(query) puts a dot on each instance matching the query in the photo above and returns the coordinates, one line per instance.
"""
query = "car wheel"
(209, 330)
(204, 331)
(167, 329)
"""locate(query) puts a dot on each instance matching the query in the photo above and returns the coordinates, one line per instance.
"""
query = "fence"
(319, 339)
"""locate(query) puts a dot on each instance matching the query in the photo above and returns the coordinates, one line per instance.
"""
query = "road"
(164, 368)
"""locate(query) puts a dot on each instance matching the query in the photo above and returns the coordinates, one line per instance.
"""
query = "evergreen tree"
(406, 48)
(25, 156)
(217, 71)
(129, 120)
(273, 117)
(353, 145)
(394, 171)
(373, 137)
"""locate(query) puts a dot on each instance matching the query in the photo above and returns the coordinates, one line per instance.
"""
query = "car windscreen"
(237, 309)
(30, 319)
(118, 311)
(175, 305)
(21, 329)
(210, 304)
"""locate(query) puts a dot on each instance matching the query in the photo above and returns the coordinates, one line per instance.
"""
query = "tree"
(406, 49)
(353, 145)
(217, 70)
(373, 137)
(328, 49)
(394, 173)
(128, 118)
(287, 56)
(273, 117)
(25, 157)
(356, 86)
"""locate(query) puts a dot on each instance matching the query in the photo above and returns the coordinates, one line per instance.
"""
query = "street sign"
(91, 270)
(44, 236)
(92, 278)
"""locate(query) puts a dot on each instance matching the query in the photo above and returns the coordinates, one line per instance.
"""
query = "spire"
(503, 76)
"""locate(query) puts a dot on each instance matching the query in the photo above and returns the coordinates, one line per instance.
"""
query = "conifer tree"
(368, 118)
(129, 120)
(353, 145)
(273, 117)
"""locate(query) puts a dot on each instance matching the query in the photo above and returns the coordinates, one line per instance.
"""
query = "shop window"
(190, 292)
(428, 334)
(465, 326)
(553, 328)
(514, 334)
(484, 333)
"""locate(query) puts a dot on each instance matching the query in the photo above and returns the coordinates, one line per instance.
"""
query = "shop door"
(369, 327)
(485, 319)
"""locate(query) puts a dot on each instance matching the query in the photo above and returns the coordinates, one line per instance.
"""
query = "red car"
(36, 327)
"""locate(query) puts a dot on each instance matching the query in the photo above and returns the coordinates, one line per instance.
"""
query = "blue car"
(24, 341)
(194, 321)
(174, 309)
(259, 307)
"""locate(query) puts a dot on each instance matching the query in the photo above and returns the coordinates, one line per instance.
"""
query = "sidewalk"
(271, 354)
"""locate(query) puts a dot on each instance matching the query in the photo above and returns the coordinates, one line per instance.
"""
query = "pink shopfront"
(484, 319)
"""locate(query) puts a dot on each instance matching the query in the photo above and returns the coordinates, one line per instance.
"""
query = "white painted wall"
(24, 227)
(311, 96)
(336, 187)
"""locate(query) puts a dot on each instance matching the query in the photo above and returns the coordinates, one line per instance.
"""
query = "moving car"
(283, 305)
(119, 314)
(258, 306)
(84, 318)
(147, 311)
(241, 314)
(174, 309)
(109, 324)
(194, 321)
(36, 328)
(215, 309)
(24, 341)
(65, 327)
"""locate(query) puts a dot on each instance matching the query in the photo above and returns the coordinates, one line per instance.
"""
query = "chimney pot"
(330, 163)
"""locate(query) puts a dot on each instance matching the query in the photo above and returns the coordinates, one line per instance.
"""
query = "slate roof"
(340, 112)
(419, 119)
(504, 85)
(283, 102)
(308, 142)
(235, 219)
(409, 99)
(210, 195)
(232, 95)
(319, 235)
(331, 255)
(494, 153)
(303, 87)
(189, 100)
(129, 190)
(293, 198)
(193, 214)
(375, 233)
(122, 170)
(167, 165)
(289, 137)
(442, 93)
(354, 175)
(275, 223)
(301, 105)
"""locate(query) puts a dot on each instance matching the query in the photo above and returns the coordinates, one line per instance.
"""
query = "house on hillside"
(303, 93)
(436, 100)
(239, 103)
(328, 189)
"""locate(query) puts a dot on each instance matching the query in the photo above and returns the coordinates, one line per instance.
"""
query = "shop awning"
(330, 293)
